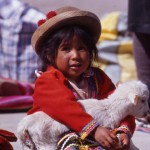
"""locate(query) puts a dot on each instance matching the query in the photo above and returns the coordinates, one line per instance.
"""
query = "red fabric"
(5, 138)
(9, 87)
(53, 97)
(8, 135)
(15, 96)
(105, 85)
(129, 121)
(4, 144)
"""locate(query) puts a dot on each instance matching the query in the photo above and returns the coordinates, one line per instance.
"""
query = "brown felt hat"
(62, 17)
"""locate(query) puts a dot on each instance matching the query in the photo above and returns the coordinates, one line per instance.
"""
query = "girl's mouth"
(75, 65)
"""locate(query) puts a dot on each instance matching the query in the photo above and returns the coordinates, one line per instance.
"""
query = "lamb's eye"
(143, 100)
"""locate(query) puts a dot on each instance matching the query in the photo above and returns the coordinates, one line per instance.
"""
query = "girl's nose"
(75, 53)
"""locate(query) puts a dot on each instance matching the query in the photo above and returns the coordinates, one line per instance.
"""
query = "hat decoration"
(48, 16)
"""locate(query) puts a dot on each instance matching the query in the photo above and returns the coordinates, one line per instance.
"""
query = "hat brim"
(86, 19)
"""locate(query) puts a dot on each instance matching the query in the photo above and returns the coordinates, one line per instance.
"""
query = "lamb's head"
(137, 95)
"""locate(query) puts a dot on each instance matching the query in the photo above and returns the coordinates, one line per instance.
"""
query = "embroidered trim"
(72, 141)
(88, 128)
(66, 138)
(68, 142)
(125, 130)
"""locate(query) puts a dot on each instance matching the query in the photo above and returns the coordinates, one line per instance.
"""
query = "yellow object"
(109, 24)
(126, 61)
(84, 147)
(115, 48)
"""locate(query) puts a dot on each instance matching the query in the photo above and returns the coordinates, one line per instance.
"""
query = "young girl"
(66, 43)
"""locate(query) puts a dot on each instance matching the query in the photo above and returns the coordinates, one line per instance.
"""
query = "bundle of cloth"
(116, 48)
(15, 96)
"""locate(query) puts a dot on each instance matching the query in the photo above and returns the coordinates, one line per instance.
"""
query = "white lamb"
(130, 98)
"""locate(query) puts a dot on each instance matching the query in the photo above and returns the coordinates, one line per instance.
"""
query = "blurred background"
(99, 7)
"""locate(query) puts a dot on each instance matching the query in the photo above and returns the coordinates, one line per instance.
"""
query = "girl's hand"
(105, 137)
(124, 140)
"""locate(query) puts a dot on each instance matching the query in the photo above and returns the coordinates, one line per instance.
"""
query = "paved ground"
(10, 121)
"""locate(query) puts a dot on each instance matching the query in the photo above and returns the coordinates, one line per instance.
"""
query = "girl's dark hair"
(48, 52)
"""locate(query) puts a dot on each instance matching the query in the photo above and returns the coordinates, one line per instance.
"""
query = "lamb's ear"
(134, 98)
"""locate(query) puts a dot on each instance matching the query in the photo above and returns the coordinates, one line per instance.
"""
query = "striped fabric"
(115, 48)
(15, 103)
(18, 21)
(5, 138)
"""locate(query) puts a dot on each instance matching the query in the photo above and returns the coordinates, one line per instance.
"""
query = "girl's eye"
(82, 48)
(66, 48)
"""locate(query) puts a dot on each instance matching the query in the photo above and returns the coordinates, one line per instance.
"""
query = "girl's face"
(73, 58)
